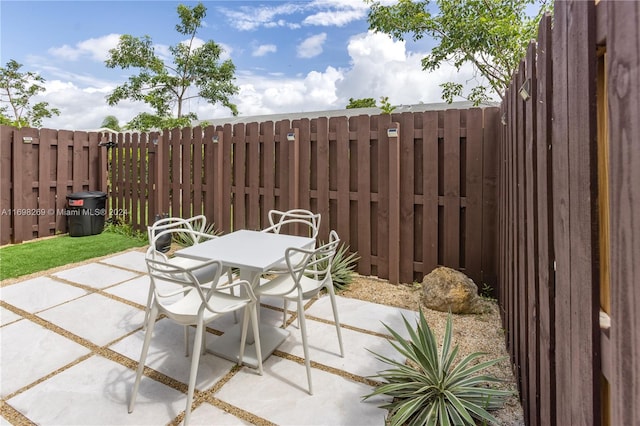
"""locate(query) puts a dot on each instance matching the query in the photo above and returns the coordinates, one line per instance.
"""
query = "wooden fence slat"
(268, 173)
(343, 169)
(584, 266)
(197, 162)
(239, 175)
(473, 196)
(304, 144)
(490, 161)
(394, 204)
(363, 246)
(544, 201)
(380, 125)
(227, 139)
(623, 68)
(451, 216)
(6, 183)
(531, 244)
(430, 203)
(46, 222)
(253, 171)
(322, 183)
(406, 200)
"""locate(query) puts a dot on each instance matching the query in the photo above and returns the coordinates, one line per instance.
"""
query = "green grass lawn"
(26, 258)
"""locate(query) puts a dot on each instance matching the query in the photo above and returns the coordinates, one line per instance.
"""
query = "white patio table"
(253, 253)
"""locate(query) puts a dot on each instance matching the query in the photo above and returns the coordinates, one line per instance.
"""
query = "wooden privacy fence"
(406, 191)
(569, 233)
(38, 169)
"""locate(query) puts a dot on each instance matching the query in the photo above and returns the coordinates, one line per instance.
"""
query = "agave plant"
(185, 240)
(343, 266)
(430, 389)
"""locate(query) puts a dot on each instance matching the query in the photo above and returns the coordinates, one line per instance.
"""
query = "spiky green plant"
(342, 269)
(184, 239)
(430, 389)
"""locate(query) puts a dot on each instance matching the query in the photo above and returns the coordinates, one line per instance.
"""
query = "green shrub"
(429, 389)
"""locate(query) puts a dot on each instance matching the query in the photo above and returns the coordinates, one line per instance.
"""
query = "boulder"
(445, 289)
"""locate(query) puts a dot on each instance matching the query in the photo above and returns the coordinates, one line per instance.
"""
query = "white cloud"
(379, 67)
(264, 49)
(311, 46)
(252, 18)
(338, 18)
(83, 108)
(94, 48)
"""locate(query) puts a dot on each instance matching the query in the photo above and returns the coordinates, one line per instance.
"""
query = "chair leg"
(284, 313)
(186, 340)
(336, 320)
(153, 314)
(195, 359)
(147, 310)
(305, 345)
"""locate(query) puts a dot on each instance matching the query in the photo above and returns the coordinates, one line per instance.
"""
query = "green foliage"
(111, 122)
(118, 226)
(361, 103)
(386, 106)
(490, 35)
(16, 90)
(430, 389)
(162, 85)
(342, 268)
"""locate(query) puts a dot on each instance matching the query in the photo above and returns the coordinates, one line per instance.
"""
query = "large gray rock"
(446, 289)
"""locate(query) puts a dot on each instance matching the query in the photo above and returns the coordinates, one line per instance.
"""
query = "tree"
(17, 89)
(492, 35)
(111, 122)
(361, 103)
(166, 86)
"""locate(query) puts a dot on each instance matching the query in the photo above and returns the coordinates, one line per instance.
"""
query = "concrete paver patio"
(71, 339)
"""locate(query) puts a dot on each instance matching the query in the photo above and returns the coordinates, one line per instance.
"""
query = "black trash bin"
(85, 213)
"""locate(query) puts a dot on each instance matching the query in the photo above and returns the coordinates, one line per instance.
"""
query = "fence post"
(293, 136)
(160, 192)
(393, 134)
(103, 170)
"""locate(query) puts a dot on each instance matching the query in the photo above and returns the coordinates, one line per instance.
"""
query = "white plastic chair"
(189, 231)
(304, 281)
(289, 222)
(199, 302)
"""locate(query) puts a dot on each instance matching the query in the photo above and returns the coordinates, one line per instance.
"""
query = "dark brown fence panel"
(623, 83)
(406, 191)
(40, 167)
(548, 236)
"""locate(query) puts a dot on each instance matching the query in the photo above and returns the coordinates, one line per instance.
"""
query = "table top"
(246, 249)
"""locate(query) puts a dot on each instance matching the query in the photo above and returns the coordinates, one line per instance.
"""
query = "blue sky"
(290, 56)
